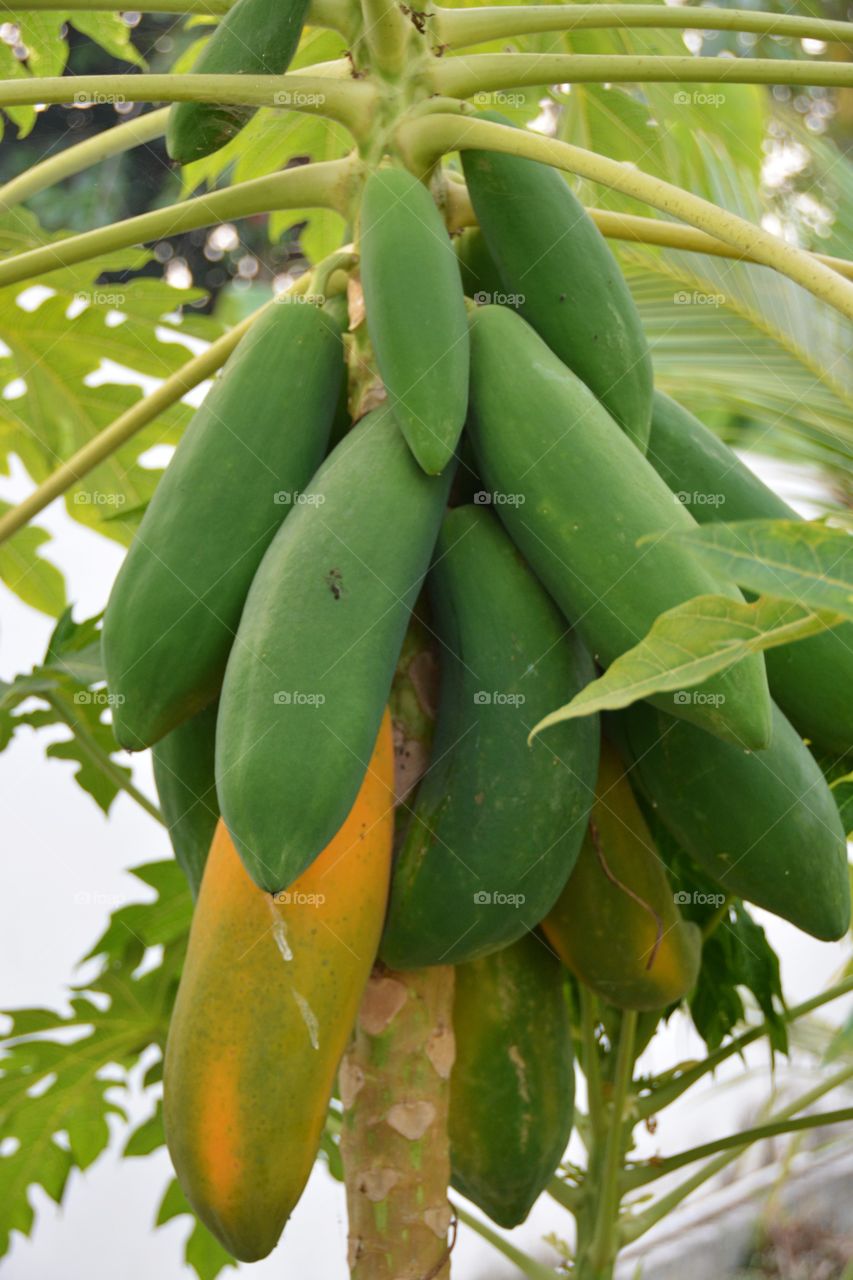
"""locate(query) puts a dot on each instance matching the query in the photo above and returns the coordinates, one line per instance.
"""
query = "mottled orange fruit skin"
(245, 1089)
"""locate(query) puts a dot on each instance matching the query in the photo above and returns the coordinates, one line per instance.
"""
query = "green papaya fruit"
(497, 825)
(762, 824)
(577, 497)
(513, 1082)
(186, 785)
(309, 674)
(250, 449)
(811, 680)
(616, 924)
(256, 37)
(480, 277)
(416, 314)
(551, 255)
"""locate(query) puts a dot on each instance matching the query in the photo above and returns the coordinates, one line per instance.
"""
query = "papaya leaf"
(55, 1104)
(25, 572)
(68, 685)
(203, 1251)
(147, 1136)
(735, 955)
(741, 346)
(43, 47)
(163, 922)
(807, 562)
(687, 645)
(57, 1097)
(72, 350)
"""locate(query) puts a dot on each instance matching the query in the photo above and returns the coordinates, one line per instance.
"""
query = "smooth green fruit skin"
(616, 924)
(512, 1085)
(583, 496)
(310, 671)
(416, 314)
(550, 253)
(497, 825)
(253, 445)
(480, 277)
(256, 37)
(764, 824)
(811, 680)
(186, 786)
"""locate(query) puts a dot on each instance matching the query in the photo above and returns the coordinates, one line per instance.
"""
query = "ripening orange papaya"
(617, 925)
(266, 1004)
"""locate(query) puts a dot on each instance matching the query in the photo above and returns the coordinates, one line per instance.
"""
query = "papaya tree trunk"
(395, 1077)
(394, 1083)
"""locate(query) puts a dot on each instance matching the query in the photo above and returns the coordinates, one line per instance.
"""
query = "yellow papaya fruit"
(617, 925)
(266, 1004)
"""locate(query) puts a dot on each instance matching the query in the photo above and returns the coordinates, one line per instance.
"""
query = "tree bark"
(394, 1083)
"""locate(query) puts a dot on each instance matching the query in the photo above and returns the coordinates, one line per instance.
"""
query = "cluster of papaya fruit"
(252, 638)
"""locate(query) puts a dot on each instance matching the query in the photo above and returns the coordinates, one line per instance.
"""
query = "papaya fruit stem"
(348, 102)
(604, 1243)
(386, 34)
(343, 261)
(487, 72)
(642, 1175)
(460, 28)
(635, 229)
(322, 185)
(394, 1085)
(632, 228)
(638, 1225)
(422, 140)
(590, 1062)
(82, 155)
(100, 758)
(527, 1266)
(672, 1090)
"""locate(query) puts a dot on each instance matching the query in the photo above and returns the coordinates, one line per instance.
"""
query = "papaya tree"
(487, 689)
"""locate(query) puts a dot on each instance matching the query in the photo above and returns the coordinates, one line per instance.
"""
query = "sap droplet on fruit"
(279, 931)
(309, 1018)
